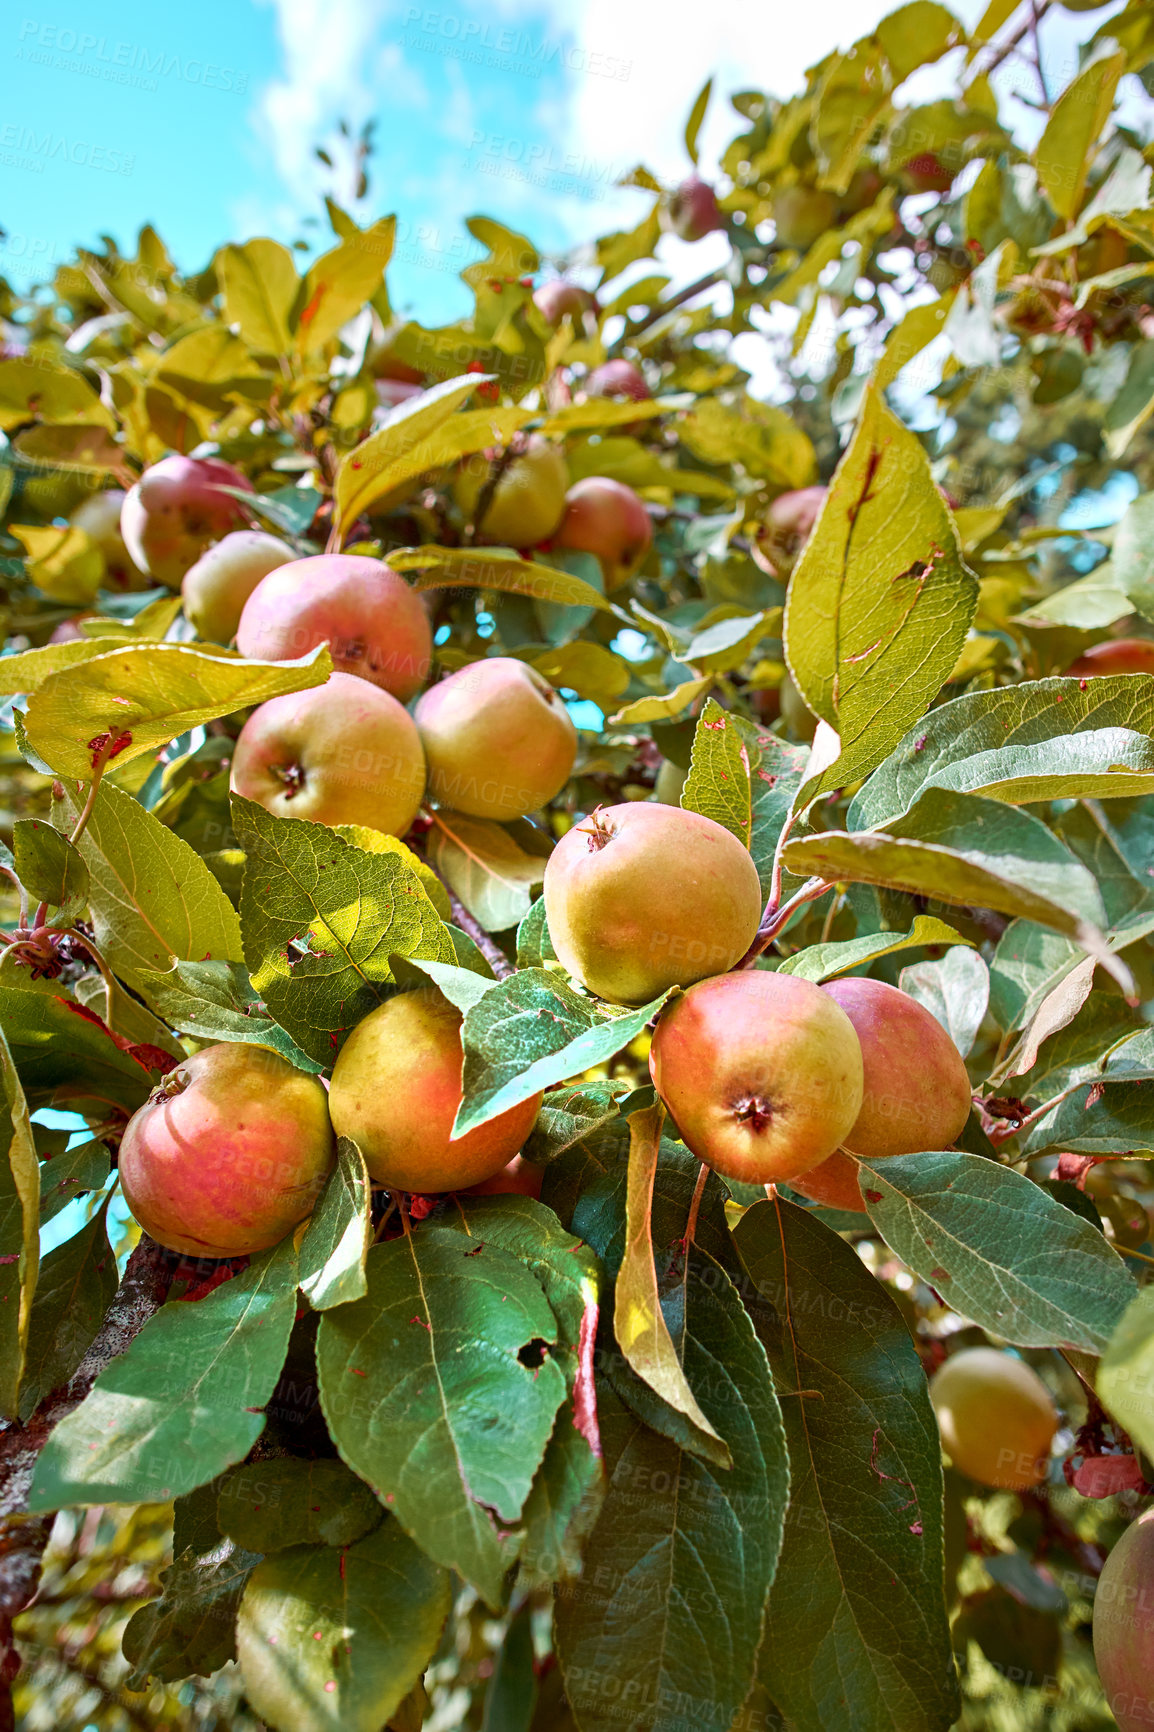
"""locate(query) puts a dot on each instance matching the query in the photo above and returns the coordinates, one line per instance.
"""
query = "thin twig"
(772, 924)
(708, 281)
(1035, 17)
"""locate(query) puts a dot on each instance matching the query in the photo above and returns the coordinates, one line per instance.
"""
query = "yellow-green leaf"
(383, 460)
(500, 568)
(660, 709)
(36, 388)
(260, 285)
(63, 563)
(1070, 141)
(340, 282)
(19, 1232)
(374, 472)
(136, 699)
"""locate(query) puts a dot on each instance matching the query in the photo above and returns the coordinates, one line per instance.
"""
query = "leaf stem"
(772, 923)
(695, 1205)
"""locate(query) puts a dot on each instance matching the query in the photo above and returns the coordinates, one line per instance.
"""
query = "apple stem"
(105, 971)
(772, 923)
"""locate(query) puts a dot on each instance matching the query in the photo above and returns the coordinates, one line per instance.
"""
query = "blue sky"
(202, 118)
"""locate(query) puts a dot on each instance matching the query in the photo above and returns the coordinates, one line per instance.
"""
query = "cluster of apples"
(493, 740)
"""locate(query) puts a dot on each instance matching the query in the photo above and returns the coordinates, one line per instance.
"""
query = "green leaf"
(917, 330)
(337, 1238)
(427, 1400)
(388, 464)
(320, 920)
(696, 116)
(33, 388)
(76, 1285)
(745, 778)
(214, 1001)
(663, 1629)
(266, 1506)
(154, 901)
(183, 1402)
(76, 448)
(1070, 142)
(1119, 1121)
(260, 283)
(192, 1627)
(860, 1576)
(496, 568)
(972, 853)
(1126, 1374)
(823, 961)
(50, 868)
(955, 989)
(880, 602)
(71, 1173)
(1132, 561)
(1090, 604)
(660, 709)
(334, 1641)
(66, 1057)
(486, 868)
(19, 1225)
(999, 1250)
(141, 697)
(1028, 963)
(639, 1323)
(529, 1032)
(512, 1693)
(28, 670)
(534, 945)
(1134, 404)
(916, 34)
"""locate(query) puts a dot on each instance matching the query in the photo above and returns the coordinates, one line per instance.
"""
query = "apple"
(641, 897)
(176, 510)
(606, 517)
(527, 503)
(374, 624)
(562, 299)
(617, 379)
(1118, 655)
(802, 214)
(692, 211)
(996, 1417)
(1124, 1627)
(927, 173)
(519, 1179)
(341, 753)
(216, 588)
(916, 1092)
(498, 739)
(228, 1153)
(787, 527)
(761, 1072)
(395, 1091)
(99, 518)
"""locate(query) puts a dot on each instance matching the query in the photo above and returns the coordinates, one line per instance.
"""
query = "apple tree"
(427, 719)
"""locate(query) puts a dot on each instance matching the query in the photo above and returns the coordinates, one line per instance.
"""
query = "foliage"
(652, 1450)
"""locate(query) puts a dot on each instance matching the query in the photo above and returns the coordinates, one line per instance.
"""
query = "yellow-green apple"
(606, 517)
(228, 1153)
(996, 1417)
(802, 214)
(761, 1072)
(345, 752)
(498, 739)
(216, 588)
(528, 500)
(1124, 1627)
(395, 1091)
(640, 897)
(177, 509)
(375, 626)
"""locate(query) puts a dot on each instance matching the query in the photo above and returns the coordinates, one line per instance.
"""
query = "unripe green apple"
(498, 739)
(216, 588)
(692, 211)
(1119, 655)
(606, 517)
(670, 781)
(640, 897)
(342, 753)
(916, 1092)
(802, 214)
(177, 509)
(761, 1072)
(395, 1091)
(99, 517)
(996, 1417)
(374, 624)
(228, 1153)
(1124, 1627)
(528, 501)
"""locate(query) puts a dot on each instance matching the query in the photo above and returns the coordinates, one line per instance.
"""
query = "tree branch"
(23, 1537)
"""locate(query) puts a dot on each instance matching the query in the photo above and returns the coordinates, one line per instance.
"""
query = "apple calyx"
(755, 1112)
